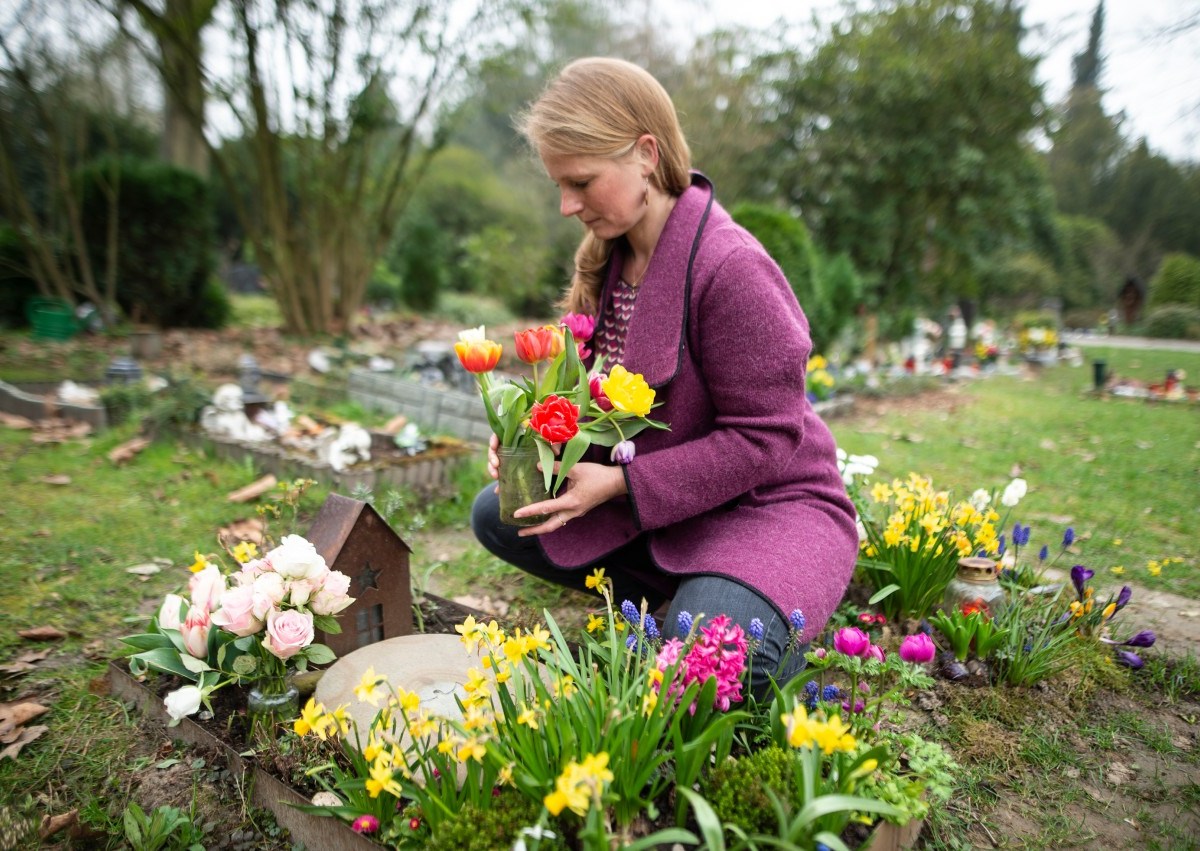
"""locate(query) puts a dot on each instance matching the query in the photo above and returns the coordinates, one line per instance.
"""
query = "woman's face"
(607, 195)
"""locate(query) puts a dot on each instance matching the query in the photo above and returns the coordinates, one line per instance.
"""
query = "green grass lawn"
(1123, 473)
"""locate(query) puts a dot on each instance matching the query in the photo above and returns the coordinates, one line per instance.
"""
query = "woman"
(738, 509)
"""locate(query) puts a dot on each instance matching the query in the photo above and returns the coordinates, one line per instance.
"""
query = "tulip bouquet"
(561, 407)
(254, 626)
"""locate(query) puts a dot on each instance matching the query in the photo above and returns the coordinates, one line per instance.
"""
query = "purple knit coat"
(745, 484)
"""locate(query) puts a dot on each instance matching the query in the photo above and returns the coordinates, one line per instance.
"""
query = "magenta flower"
(365, 824)
(598, 394)
(582, 325)
(876, 652)
(917, 649)
(851, 641)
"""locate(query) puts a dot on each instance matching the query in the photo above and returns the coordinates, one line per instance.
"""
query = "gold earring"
(646, 194)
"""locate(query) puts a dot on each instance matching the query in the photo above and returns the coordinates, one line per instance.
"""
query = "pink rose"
(206, 588)
(269, 594)
(251, 570)
(288, 633)
(332, 596)
(851, 641)
(917, 649)
(236, 614)
(194, 631)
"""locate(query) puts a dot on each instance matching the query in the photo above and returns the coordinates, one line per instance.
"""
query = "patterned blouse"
(610, 342)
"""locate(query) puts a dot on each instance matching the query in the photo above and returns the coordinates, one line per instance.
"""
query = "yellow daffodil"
(800, 728)
(199, 564)
(471, 749)
(382, 778)
(1153, 568)
(408, 701)
(371, 687)
(881, 492)
(309, 716)
(1117, 571)
(628, 391)
(833, 736)
(528, 717)
(469, 632)
(565, 686)
(597, 579)
(244, 551)
(595, 623)
(579, 785)
(1117, 542)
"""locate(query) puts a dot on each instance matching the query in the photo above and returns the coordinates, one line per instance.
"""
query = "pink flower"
(582, 325)
(168, 613)
(669, 654)
(236, 614)
(288, 633)
(269, 593)
(194, 631)
(875, 652)
(851, 641)
(917, 649)
(206, 587)
(332, 597)
(598, 394)
(365, 823)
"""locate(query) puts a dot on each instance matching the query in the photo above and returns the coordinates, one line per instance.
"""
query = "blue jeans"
(636, 577)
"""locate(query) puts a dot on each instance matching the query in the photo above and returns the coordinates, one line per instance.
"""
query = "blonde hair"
(600, 107)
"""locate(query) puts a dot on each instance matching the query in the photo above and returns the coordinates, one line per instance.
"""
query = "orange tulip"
(478, 356)
(539, 344)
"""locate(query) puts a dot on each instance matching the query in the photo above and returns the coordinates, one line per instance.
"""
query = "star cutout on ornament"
(367, 579)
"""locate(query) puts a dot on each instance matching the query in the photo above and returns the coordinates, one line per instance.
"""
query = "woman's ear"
(646, 148)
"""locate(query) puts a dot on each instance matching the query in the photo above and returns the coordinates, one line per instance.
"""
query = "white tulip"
(182, 702)
(1014, 493)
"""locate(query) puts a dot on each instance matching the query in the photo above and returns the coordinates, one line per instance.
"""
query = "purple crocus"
(1079, 577)
(1145, 638)
(623, 452)
(756, 629)
(1129, 659)
(684, 621)
(1123, 598)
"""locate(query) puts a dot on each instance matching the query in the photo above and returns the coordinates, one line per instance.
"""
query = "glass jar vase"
(521, 483)
(976, 586)
(270, 702)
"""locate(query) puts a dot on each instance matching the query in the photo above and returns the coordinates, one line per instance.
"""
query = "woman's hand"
(493, 457)
(588, 485)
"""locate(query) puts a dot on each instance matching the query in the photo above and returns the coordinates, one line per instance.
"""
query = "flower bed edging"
(38, 400)
(265, 790)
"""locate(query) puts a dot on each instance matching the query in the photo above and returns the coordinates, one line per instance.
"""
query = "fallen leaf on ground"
(27, 735)
(246, 529)
(56, 824)
(58, 430)
(14, 715)
(24, 663)
(1118, 774)
(144, 569)
(95, 649)
(56, 479)
(14, 421)
(396, 423)
(128, 449)
(42, 533)
(253, 490)
(42, 633)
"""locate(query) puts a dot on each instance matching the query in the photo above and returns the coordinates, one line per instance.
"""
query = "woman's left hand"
(588, 485)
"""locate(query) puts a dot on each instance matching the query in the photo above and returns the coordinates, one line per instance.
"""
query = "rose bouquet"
(562, 407)
(254, 626)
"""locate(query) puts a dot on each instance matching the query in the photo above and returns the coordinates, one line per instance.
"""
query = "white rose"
(206, 588)
(182, 702)
(168, 613)
(297, 558)
(300, 592)
(1014, 493)
(268, 594)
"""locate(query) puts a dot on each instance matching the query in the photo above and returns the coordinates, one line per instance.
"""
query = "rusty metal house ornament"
(352, 537)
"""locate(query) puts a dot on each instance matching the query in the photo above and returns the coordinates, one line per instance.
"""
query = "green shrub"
(385, 287)
(472, 310)
(737, 788)
(1177, 281)
(423, 262)
(1173, 322)
(497, 826)
(16, 286)
(165, 239)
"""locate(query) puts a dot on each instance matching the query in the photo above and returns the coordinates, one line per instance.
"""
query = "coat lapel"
(656, 340)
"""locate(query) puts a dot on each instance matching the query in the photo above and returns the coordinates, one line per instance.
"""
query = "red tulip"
(555, 419)
(538, 344)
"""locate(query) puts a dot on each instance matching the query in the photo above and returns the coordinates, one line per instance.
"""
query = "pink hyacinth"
(851, 641)
(719, 651)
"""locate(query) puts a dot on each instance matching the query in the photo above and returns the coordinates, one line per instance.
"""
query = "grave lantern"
(352, 538)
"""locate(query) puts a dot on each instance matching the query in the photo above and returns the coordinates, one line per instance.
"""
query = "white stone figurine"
(352, 444)
(226, 416)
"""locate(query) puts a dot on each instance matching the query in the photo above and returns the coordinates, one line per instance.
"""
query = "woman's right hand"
(493, 459)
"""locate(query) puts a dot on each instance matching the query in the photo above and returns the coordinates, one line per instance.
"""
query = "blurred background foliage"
(900, 161)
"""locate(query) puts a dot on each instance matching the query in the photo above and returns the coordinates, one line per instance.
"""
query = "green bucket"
(51, 318)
